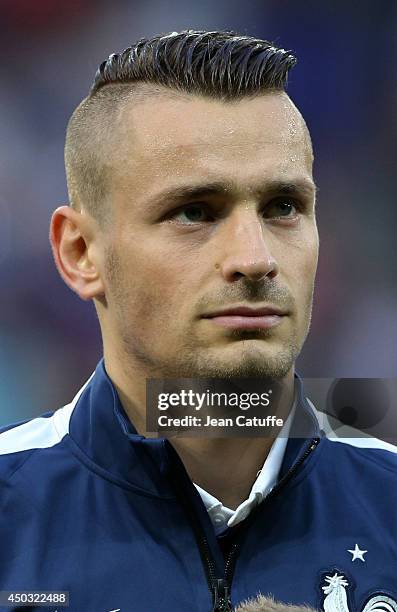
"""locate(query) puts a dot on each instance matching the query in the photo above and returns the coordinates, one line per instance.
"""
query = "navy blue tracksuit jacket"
(90, 507)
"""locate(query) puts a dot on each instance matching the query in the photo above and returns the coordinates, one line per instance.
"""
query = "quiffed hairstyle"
(222, 65)
(215, 64)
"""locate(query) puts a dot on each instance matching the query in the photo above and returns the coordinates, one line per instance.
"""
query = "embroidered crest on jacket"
(335, 599)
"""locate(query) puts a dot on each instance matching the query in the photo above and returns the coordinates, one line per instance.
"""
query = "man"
(192, 228)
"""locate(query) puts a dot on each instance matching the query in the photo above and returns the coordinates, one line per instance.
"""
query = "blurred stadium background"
(346, 86)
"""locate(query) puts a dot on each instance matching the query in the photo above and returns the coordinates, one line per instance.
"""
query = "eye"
(193, 213)
(281, 208)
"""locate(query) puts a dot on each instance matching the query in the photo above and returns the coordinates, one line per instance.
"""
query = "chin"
(249, 364)
(267, 369)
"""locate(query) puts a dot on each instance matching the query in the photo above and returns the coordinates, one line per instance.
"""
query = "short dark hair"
(218, 64)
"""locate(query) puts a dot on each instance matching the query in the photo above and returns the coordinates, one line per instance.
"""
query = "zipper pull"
(222, 602)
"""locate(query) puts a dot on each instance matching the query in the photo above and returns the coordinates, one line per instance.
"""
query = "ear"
(74, 249)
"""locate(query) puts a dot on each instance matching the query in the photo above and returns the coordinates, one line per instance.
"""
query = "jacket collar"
(103, 433)
(101, 429)
(304, 428)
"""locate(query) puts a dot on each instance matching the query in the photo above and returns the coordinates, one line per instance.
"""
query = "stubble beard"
(248, 361)
(251, 362)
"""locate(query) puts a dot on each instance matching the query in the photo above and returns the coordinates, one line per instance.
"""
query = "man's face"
(213, 208)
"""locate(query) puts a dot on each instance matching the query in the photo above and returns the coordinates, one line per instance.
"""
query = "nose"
(248, 252)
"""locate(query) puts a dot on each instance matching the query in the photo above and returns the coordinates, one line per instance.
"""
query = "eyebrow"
(190, 192)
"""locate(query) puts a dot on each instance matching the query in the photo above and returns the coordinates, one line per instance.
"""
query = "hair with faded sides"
(221, 65)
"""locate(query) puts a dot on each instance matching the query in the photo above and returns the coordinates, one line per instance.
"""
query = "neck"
(228, 467)
(225, 467)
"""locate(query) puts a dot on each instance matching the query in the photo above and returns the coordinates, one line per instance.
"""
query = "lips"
(245, 317)
(246, 311)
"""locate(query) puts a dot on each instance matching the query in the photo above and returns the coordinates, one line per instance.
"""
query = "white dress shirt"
(223, 517)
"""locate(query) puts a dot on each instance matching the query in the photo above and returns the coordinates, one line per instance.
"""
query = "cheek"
(308, 268)
(301, 271)
(312, 260)
(158, 286)
(306, 287)
(307, 257)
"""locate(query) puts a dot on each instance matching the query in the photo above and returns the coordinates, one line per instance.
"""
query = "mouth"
(245, 317)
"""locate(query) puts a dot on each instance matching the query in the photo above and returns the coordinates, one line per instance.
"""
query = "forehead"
(171, 138)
